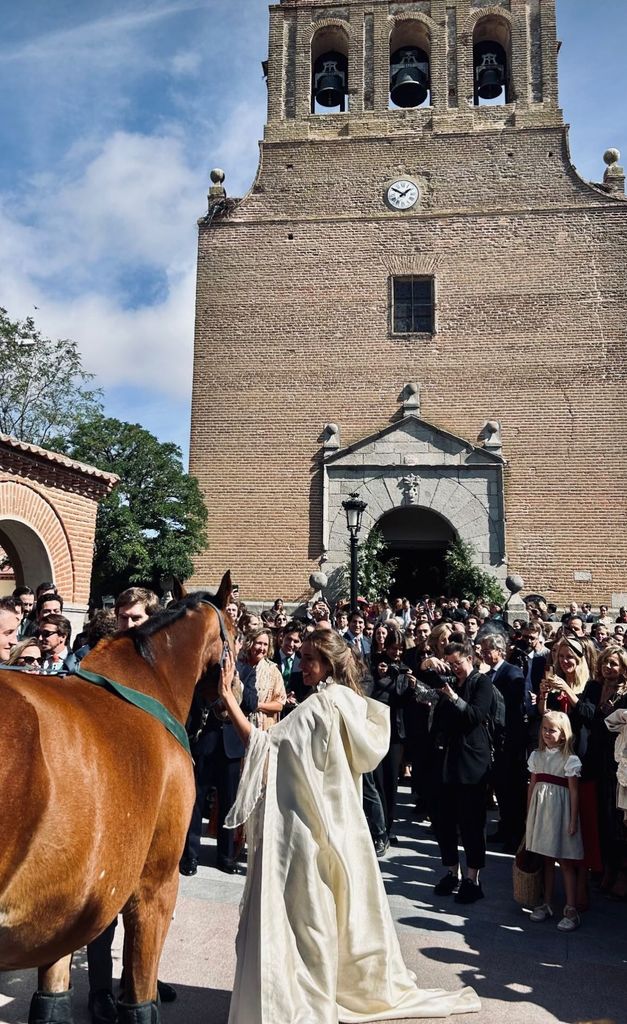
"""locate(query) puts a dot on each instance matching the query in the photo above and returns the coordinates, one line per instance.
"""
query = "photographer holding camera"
(461, 699)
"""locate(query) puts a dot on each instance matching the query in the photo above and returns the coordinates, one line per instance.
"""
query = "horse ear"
(224, 590)
(178, 590)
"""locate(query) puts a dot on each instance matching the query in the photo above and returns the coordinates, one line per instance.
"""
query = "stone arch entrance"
(419, 538)
(416, 473)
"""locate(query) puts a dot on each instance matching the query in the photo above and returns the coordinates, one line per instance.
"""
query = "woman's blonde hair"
(439, 636)
(562, 721)
(254, 635)
(575, 647)
(19, 648)
(621, 654)
(345, 666)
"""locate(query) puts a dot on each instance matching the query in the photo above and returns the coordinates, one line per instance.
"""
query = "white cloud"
(187, 62)
(91, 37)
(131, 213)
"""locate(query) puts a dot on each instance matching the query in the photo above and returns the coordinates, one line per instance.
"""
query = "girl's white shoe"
(570, 920)
(541, 913)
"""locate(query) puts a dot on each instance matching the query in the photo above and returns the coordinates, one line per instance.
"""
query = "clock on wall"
(402, 194)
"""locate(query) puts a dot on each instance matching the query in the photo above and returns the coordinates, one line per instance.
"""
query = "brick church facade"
(418, 300)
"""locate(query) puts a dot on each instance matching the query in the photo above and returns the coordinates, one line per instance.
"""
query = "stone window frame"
(411, 274)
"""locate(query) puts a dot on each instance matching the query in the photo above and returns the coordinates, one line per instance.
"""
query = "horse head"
(179, 648)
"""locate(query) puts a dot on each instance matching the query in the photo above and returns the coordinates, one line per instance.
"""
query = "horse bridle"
(226, 647)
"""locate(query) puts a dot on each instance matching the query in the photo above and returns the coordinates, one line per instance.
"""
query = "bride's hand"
(227, 674)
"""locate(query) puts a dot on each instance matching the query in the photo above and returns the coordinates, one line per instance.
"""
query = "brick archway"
(35, 534)
(48, 506)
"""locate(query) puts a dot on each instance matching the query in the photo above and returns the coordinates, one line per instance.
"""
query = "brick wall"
(293, 331)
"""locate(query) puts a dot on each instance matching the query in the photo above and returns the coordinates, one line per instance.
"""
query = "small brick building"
(48, 506)
(419, 300)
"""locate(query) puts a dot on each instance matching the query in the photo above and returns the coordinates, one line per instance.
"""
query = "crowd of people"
(467, 694)
(521, 715)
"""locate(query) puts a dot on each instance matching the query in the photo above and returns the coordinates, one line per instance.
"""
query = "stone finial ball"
(412, 389)
(514, 584)
(217, 176)
(333, 428)
(611, 156)
(318, 580)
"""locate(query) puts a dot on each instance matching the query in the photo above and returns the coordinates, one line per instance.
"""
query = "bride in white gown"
(316, 942)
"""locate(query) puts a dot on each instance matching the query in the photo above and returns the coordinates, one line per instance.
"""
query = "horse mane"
(142, 635)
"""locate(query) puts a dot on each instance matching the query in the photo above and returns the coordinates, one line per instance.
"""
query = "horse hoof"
(138, 1013)
(51, 1008)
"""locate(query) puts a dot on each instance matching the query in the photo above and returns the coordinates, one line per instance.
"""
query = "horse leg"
(147, 918)
(52, 1002)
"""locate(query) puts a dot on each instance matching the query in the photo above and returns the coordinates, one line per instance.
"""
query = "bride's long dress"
(316, 942)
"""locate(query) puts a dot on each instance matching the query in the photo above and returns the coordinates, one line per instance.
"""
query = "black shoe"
(469, 892)
(167, 993)
(447, 884)
(102, 1008)
(393, 839)
(229, 867)
(381, 846)
(188, 866)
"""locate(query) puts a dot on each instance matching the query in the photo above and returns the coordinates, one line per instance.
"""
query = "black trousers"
(373, 808)
(386, 780)
(100, 961)
(509, 778)
(213, 768)
(462, 809)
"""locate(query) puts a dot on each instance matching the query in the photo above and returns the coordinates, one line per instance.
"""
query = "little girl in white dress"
(553, 814)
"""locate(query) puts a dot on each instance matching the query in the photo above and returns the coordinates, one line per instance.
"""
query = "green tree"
(44, 390)
(375, 573)
(465, 578)
(154, 521)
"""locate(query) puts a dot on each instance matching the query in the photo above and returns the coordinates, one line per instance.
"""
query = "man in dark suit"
(288, 660)
(354, 635)
(459, 729)
(509, 773)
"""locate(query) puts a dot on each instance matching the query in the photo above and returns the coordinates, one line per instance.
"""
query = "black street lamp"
(354, 508)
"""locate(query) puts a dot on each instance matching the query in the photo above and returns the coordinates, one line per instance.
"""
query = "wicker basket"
(528, 877)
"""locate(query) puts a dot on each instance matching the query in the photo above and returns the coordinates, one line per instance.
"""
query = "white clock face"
(402, 194)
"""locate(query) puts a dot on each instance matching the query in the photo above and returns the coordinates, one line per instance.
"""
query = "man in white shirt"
(9, 621)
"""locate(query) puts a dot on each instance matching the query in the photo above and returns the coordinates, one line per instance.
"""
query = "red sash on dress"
(557, 779)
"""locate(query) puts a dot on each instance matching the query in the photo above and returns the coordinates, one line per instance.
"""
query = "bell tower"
(417, 267)
(422, 65)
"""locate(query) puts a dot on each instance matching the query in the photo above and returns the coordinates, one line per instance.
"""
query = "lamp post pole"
(354, 508)
(353, 570)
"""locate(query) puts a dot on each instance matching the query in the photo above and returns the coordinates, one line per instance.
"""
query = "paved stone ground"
(525, 973)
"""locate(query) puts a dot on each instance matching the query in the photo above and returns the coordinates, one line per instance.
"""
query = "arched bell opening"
(419, 538)
(491, 52)
(329, 71)
(410, 74)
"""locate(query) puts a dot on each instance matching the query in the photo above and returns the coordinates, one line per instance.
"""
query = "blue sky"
(112, 113)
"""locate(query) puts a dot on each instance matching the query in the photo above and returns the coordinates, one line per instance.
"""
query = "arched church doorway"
(419, 539)
(26, 552)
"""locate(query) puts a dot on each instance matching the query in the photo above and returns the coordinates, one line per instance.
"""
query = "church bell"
(490, 64)
(409, 77)
(330, 79)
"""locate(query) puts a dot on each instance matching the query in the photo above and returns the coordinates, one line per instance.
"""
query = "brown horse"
(95, 800)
